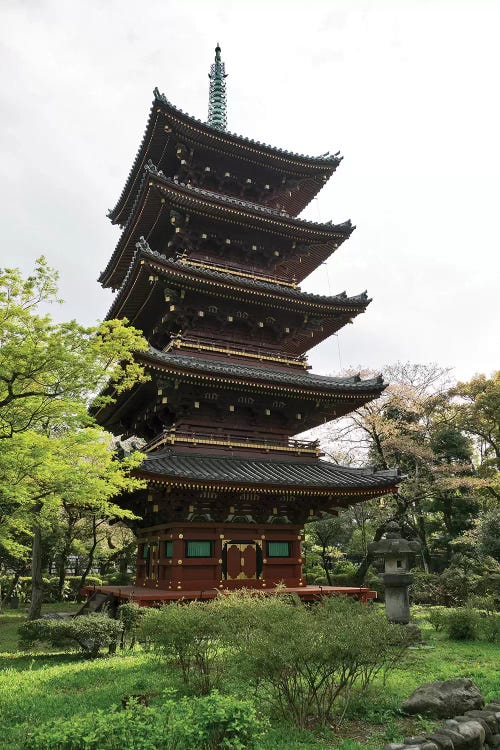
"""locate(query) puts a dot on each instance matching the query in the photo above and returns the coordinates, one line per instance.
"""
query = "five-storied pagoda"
(208, 266)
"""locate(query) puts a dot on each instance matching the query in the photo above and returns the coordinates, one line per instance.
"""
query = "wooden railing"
(288, 445)
(250, 352)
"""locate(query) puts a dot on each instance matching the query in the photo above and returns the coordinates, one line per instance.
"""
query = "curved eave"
(137, 287)
(158, 192)
(315, 171)
(221, 371)
(346, 497)
(320, 478)
(337, 396)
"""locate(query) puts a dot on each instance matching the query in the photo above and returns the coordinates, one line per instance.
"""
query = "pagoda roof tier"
(318, 398)
(139, 297)
(283, 475)
(267, 377)
(165, 119)
(158, 192)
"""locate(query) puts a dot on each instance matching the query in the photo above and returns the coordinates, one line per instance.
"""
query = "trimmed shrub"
(130, 616)
(73, 583)
(188, 635)
(489, 628)
(88, 633)
(304, 659)
(462, 624)
(437, 617)
(120, 579)
(212, 722)
(298, 659)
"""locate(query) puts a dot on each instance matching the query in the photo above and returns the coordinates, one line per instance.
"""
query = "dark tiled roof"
(327, 160)
(203, 200)
(267, 471)
(283, 377)
(316, 167)
(143, 251)
(344, 229)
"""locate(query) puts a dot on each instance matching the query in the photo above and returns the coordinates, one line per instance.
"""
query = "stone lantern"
(397, 553)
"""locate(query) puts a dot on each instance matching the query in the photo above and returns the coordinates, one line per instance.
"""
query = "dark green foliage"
(298, 659)
(51, 587)
(305, 659)
(22, 588)
(455, 586)
(88, 633)
(489, 628)
(190, 636)
(120, 579)
(476, 621)
(489, 533)
(212, 722)
(130, 616)
(437, 617)
(462, 624)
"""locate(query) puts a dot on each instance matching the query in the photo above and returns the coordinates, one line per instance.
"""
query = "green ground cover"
(37, 687)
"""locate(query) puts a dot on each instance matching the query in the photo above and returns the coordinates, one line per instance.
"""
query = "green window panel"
(278, 549)
(145, 551)
(169, 549)
(198, 549)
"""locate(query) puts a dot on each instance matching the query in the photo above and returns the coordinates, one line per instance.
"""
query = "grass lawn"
(37, 687)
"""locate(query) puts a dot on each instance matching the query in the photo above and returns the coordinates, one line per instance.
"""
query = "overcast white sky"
(407, 91)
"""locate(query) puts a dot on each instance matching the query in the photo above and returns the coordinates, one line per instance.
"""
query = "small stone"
(459, 742)
(415, 740)
(394, 746)
(473, 733)
(487, 719)
(495, 740)
(442, 741)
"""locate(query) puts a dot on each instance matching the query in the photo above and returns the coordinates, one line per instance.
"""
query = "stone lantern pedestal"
(396, 553)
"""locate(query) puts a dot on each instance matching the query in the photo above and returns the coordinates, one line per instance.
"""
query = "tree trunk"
(10, 589)
(448, 522)
(362, 570)
(426, 555)
(61, 576)
(326, 565)
(92, 550)
(36, 576)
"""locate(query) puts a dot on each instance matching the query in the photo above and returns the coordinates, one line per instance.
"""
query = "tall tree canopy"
(50, 371)
(445, 440)
(52, 453)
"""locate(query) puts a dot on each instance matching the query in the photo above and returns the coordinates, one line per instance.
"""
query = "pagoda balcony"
(234, 269)
(248, 351)
(193, 439)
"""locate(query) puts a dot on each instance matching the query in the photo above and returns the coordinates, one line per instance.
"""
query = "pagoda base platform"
(153, 597)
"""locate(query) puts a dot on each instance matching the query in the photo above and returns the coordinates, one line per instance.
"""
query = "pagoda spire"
(217, 106)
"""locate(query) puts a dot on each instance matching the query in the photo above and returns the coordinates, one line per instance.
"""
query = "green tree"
(50, 371)
(42, 472)
(324, 538)
(49, 374)
(409, 427)
(476, 412)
